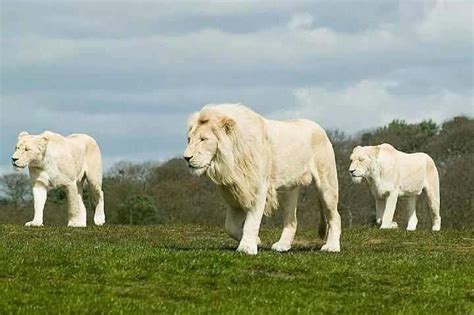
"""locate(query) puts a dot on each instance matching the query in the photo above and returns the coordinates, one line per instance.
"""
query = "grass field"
(191, 269)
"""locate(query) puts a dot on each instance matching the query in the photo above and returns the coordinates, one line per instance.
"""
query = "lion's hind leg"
(98, 197)
(412, 219)
(432, 199)
(431, 194)
(327, 187)
(288, 204)
(94, 178)
(76, 208)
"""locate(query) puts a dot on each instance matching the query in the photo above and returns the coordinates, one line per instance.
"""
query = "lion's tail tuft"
(272, 201)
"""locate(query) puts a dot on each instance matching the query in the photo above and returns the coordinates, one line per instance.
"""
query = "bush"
(137, 210)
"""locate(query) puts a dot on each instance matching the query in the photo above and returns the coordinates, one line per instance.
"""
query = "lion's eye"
(26, 149)
(204, 139)
(189, 139)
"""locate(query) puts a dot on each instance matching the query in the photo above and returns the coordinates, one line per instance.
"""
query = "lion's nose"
(188, 157)
(352, 171)
(14, 159)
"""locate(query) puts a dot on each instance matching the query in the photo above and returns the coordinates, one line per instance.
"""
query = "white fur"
(57, 161)
(392, 174)
(260, 164)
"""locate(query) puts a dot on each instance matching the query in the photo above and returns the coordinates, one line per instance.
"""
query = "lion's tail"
(323, 224)
(272, 201)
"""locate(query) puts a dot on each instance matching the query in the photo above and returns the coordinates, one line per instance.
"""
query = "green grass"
(191, 269)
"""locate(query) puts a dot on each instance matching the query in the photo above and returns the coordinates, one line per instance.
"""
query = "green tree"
(402, 135)
(137, 210)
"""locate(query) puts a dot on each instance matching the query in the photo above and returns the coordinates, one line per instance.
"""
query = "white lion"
(57, 161)
(260, 164)
(392, 174)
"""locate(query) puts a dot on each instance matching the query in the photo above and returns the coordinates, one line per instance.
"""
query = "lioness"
(392, 174)
(260, 164)
(57, 161)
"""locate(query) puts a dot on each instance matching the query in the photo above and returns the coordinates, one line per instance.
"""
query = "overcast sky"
(130, 72)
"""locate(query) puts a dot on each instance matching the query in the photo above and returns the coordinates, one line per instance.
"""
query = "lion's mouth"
(197, 168)
(18, 167)
(357, 179)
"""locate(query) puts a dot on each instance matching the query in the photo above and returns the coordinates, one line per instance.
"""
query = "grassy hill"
(194, 269)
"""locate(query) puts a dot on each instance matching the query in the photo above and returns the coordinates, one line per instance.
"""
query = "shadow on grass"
(230, 248)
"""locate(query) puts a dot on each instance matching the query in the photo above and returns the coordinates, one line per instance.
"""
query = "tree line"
(166, 193)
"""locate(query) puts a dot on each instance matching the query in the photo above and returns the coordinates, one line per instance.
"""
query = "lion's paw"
(391, 226)
(331, 248)
(99, 221)
(33, 223)
(249, 249)
(281, 247)
(76, 224)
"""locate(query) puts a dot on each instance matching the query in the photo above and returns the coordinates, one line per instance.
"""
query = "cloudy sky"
(130, 72)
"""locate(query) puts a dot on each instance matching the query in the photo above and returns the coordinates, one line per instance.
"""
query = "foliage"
(137, 209)
(404, 136)
(194, 270)
(16, 187)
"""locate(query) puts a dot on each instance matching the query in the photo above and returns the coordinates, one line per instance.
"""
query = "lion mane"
(238, 160)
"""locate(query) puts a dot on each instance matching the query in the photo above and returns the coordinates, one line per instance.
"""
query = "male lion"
(57, 161)
(392, 174)
(260, 164)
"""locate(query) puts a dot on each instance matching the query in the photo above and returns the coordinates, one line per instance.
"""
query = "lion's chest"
(52, 175)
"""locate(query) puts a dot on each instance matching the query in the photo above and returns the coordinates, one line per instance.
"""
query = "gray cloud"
(130, 72)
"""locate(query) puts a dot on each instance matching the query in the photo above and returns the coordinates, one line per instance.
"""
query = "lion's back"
(83, 141)
(415, 169)
(86, 149)
(74, 152)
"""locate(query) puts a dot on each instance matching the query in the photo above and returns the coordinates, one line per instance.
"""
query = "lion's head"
(362, 162)
(29, 150)
(225, 142)
(208, 134)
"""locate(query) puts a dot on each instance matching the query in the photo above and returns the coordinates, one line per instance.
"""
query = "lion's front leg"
(288, 204)
(77, 214)
(390, 206)
(40, 194)
(249, 242)
(234, 222)
(379, 210)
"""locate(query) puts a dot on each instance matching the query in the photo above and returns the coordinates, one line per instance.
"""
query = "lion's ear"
(228, 124)
(22, 134)
(374, 152)
(192, 120)
(43, 142)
